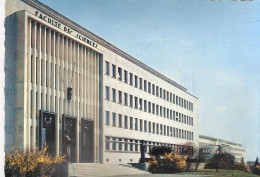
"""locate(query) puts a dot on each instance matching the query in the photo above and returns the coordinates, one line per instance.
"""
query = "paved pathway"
(107, 170)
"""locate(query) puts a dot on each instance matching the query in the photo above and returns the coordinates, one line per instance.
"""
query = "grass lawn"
(212, 172)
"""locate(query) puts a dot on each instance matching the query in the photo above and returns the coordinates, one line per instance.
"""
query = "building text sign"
(65, 28)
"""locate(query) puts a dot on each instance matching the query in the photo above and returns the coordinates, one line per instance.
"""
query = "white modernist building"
(84, 97)
(210, 145)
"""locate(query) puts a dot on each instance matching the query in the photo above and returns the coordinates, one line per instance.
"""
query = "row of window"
(146, 86)
(133, 145)
(147, 106)
(146, 126)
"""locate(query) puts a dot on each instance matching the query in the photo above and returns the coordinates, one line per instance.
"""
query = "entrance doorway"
(47, 131)
(69, 136)
(87, 140)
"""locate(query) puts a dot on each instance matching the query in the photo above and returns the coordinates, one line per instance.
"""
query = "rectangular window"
(114, 71)
(114, 119)
(173, 98)
(149, 127)
(131, 145)
(107, 118)
(168, 131)
(164, 130)
(126, 122)
(157, 91)
(177, 99)
(120, 144)
(107, 143)
(153, 108)
(136, 145)
(145, 85)
(173, 113)
(157, 110)
(136, 102)
(170, 97)
(114, 144)
(125, 99)
(136, 81)
(131, 78)
(140, 104)
(153, 128)
(164, 95)
(120, 120)
(114, 95)
(119, 71)
(167, 96)
(119, 97)
(161, 129)
(149, 87)
(140, 83)
(149, 107)
(107, 94)
(141, 125)
(145, 106)
(161, 111)
(106, 67)
(160, 92)
(157, 128)
(153, 89)
(131, 123)
(167, 114)
(131, 100)
(136, 124)
(126, 145)
(125, 76)
(177, 116)
(145, 126)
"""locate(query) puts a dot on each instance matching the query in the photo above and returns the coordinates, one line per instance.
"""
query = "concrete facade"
(211, 145)
(127, 101)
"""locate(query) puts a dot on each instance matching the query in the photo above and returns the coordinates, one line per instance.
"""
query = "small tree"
(222, 160)
(256, 161)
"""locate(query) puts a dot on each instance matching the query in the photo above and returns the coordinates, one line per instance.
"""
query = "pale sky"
(211, 48)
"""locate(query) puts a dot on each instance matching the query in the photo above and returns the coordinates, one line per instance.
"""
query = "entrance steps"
(101, 170)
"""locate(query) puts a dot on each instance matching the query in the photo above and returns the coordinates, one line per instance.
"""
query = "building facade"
(78, 94)
(211, 145)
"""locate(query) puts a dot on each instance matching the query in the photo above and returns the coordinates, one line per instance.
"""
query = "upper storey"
(94, 41)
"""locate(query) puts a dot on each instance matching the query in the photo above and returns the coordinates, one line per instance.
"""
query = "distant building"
(210, 145)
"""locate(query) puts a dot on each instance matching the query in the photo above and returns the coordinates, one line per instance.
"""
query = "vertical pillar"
(44, 69)
(29, 56)
(76, 86)
(48, 70)
(57, 71)
(34, 32)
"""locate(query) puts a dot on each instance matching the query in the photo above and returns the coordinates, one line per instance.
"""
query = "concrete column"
(53, 72)
(44, 69)
(57, 71)
(48, 71)
(77, 97)
(34, 32)
(28, 89)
